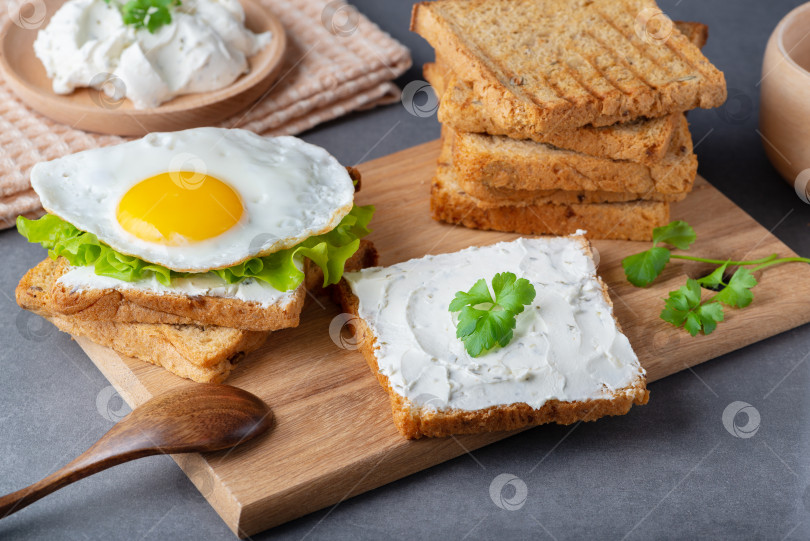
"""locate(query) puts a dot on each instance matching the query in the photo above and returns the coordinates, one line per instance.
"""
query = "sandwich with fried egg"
(201, 229)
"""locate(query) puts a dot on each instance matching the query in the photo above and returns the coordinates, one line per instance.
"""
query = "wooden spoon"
(197, 418)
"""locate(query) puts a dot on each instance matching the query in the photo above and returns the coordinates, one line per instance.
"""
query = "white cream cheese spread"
(566, 346)
(204, 48)
(205, 284)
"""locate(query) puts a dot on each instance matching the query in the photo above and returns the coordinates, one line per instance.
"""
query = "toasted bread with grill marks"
(644, 140)
(579, 62)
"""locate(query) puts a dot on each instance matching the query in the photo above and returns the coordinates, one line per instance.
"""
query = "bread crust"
(134, 306)
(200, 353)
(494, 196)
(414, 422)
(643, 141)
(633, 220)
(167, 346)
(501, 162)
(594, 69)
(489, 196)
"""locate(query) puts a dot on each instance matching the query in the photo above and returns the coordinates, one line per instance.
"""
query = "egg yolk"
(179, 207)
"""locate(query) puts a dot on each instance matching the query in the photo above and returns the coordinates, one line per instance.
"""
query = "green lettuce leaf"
(83, 249)
(328, 251)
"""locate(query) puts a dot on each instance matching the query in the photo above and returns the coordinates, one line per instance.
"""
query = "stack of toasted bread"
(561, 115)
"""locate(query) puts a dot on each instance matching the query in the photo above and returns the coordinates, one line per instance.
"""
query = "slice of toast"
(502, 162)
(201, 354)
(643, 141)
(129, 304)
(495, 196)
(633, 220)
(205, 354)
(697, 33)
(396, 358)
(583, 62)
(126, 305)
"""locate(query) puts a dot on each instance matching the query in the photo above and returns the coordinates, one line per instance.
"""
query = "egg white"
(290, 190)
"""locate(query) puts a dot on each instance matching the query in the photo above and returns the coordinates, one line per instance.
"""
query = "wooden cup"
(784, 117)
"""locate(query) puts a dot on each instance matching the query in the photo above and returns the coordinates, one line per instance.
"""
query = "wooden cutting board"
(334, 436)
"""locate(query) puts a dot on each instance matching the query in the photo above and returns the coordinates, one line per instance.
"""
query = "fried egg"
(199, 199)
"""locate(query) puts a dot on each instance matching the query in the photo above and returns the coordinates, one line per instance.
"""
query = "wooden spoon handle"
(109, 451)
(200, 417)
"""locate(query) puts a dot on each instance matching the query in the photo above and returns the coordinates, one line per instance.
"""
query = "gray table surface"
(667, 470)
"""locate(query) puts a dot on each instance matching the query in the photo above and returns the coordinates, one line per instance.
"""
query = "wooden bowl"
(91, 110)
(784, 116)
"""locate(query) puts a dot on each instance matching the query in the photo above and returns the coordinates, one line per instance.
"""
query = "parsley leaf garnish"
(737, 292)
(678, 234)
(684, 307)
(642, 269)
(149, 14)
(714, 280)
(484, 322)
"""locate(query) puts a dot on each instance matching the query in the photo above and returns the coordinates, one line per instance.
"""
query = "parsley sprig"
(149, 14)
(483, 322)
(685, 307)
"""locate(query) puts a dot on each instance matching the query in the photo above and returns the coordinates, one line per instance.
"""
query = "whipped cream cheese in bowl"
(205, 47)
(203, 62)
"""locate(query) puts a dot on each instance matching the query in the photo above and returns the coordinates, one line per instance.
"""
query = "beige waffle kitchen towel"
(337, 61)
